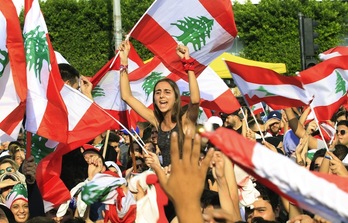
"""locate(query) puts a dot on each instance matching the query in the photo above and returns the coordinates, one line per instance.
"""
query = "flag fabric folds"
(259, 84)
(55, 110)
(106, 89)
(322, 194)
(206, 27)
(327, 83)
(13, 86)
(334, 52)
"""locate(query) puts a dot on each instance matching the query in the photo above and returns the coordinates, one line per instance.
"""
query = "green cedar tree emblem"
(200, 112)
(150, 82)
(91, 195)
(98, 92)
(38, 147)
(36, 49)
(3, 61)
(18, 190)
(185, 93)
(340, 84)
(194, 30)
(262, 89)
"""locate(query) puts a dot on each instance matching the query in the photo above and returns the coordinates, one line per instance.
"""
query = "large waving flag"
(259, 84)
(328, 83)
(206, 27)
(106, 88)
(322, 194)
(215, 96)
(55, 110)
(13, 86)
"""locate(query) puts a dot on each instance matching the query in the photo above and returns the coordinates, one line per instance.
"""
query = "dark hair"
(176, 111)
(340, 151)
(68, 73)
(318, 153)
(342, 122)
(268, 195)
(339, 114)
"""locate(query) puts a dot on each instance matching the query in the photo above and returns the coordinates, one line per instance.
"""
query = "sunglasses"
(8, 169)
(341, 132)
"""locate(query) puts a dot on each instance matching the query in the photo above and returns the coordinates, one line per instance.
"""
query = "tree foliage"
(269, 30)
(83, 30)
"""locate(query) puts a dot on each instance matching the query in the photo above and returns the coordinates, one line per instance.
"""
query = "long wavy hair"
(176, 110)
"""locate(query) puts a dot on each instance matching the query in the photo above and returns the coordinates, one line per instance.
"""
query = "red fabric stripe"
(324, 113)
(17, 61)
(225, 102)
(162, 44)
(259, 75)
(94, 122)
(27, 6)
(324, 69)
(56, 113)
(275, 102)
(222, 13)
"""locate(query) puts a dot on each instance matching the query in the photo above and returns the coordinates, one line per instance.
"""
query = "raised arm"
(188, 63)
(126, 93)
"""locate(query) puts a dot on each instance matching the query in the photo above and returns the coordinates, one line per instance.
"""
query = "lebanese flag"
(13, 83)
(259, 84)
(322, 194)
(257, 108)
(216, 96)
(334, 52)
(106, 88)
(55, 110)
(327, 83)
(206, 27)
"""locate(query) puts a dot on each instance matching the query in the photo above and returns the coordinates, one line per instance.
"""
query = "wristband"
(328, 157)
(189, 64)
(123, 68)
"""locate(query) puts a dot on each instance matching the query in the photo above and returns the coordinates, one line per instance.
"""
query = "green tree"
(340, 84)
(3, 61)
(269, 30)
(81, 31)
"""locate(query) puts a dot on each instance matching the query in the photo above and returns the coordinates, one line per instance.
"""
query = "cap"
(274, 114)
(215, 120)
(90, 148)
(113, 164)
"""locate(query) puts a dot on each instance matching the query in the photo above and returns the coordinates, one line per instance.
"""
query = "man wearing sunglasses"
(342, 132)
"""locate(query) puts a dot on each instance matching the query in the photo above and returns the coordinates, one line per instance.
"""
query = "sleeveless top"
(163, 142)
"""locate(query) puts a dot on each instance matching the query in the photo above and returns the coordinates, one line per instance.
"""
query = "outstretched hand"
(185, 184)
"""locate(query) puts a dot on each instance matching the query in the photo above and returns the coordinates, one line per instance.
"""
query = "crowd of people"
(164, 171)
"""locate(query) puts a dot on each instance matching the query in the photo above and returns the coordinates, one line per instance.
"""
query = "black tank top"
(164, 143)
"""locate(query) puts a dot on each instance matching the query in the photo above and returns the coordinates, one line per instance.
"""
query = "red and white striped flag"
(55, 110)
(259, 84)
(334, 52)
(322, 194)
(327, 83)
(206, 27)
(106, 89)
(215, 96)
(13, 84)
(257, 108)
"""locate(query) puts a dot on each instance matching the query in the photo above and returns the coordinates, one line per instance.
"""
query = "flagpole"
(28, 146)
(106, 143)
